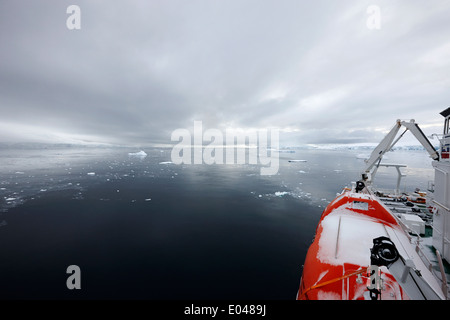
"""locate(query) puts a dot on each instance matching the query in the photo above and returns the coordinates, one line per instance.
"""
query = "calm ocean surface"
(142, 229)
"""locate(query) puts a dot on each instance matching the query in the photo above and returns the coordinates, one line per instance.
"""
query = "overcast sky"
(137, 70)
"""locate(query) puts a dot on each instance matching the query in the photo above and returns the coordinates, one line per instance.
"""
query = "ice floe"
(362, 156)
(284, 151)
(140, 154)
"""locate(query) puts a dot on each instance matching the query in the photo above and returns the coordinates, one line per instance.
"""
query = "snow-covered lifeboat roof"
(337, 260)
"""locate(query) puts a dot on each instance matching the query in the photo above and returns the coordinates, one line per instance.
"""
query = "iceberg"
(281, 193)
(140, 154)
(362, 156)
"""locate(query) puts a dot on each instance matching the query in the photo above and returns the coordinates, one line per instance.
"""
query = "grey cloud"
(139, 69)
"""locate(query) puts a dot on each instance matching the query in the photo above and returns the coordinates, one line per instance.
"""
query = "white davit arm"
(388, 142)
(418, 133)
(384, 146)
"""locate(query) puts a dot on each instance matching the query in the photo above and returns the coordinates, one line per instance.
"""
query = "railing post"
(444, 277)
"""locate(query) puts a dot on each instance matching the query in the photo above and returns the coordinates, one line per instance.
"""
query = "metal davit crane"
(388, 143)
(339, 264)
(441, 164)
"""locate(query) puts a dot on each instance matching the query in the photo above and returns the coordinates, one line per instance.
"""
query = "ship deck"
(420, 205)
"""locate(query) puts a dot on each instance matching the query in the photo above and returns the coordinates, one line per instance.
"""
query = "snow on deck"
(347, 237)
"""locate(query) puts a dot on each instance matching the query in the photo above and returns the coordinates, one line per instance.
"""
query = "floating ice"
(148, 199)
(301, 171)
(10, 199)
(284, 151)
(166, 162)
(140, 154)
(91, 173)
(281, 193)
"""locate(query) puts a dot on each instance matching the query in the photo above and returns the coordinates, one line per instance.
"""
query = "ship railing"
(418, 239)
(430, 186)
(445, 240)
(443, 276)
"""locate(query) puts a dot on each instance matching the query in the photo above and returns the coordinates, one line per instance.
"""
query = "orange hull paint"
(329, 273)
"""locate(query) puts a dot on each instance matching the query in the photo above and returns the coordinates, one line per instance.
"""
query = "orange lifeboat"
(337, 263)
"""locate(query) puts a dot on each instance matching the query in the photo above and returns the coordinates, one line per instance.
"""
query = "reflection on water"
(27, 174)
(142, 227)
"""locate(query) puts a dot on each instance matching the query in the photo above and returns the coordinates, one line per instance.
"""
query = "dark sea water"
(142, 229)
